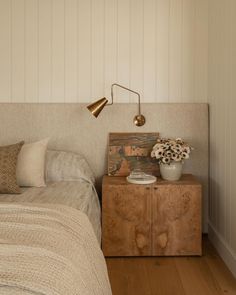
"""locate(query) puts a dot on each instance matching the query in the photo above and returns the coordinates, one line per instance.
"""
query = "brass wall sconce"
(96, 107)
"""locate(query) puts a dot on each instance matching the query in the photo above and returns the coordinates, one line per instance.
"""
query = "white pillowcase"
(30, 168)
(67, 166)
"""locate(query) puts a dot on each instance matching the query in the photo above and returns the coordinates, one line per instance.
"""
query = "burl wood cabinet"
(161, 219)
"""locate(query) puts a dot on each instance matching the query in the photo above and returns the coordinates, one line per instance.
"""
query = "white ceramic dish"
(142, 180)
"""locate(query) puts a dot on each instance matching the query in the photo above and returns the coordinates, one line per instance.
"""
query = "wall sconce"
(96, 107)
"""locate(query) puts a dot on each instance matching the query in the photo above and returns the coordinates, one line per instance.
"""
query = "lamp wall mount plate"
(139, 120)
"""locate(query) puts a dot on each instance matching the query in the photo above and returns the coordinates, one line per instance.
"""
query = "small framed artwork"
(129, 151)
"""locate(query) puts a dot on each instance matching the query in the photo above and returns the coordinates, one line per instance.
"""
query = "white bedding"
(49, 250)
(78, 194)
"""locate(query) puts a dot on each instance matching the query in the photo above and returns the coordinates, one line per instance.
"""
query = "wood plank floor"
(206, 275)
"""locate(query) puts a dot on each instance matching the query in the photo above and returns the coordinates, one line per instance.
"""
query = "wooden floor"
(206, 275)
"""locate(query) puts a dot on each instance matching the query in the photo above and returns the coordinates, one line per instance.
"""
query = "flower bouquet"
(170, 154)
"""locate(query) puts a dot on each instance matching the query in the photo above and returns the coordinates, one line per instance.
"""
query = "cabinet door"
(176, 228)
(126, 218)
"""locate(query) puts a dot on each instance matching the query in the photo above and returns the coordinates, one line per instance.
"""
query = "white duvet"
(49, 250)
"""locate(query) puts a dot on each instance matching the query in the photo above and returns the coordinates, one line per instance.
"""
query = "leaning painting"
(129, 151)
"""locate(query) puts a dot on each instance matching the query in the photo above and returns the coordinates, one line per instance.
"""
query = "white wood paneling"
(97, 47)
(162, 51)
(84, 50)
(188, 49)
(136, 47)
(175, 50)
(201, 58)
(110, 45)
(222, 92)
(123, 49)
(5, 51)
(232, 138)
(58, 50)
(18, 50)
(71, 53)
(149, 50)
(231, 206)
(45, 51)
(31, 50)
(73, 50)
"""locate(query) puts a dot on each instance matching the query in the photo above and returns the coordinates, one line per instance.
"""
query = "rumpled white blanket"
(49, 250)
(76, 194)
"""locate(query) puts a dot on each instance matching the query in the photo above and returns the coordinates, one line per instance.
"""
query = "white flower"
(177, 149)
(159, 154)
(157, 146)
(166, 160)
(176, 157)
(179, 140)
(186, 149)
(153, 154)
(185, 155)
(172, 141)
(168, 154)
(165, 147)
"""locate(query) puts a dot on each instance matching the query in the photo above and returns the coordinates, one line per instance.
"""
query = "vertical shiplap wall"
(72, 50)
(222, 100)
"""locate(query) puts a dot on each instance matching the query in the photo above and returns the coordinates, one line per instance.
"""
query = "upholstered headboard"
(71, 127)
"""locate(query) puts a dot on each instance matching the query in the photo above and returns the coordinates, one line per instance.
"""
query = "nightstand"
(161, 219)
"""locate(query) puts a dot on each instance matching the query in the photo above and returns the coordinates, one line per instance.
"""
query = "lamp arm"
(118, 85)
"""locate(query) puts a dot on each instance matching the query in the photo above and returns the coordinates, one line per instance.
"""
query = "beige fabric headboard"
(71, 127)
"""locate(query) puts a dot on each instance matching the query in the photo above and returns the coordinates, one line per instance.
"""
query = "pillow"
(8, 161)
(30, 169)
(67, 166)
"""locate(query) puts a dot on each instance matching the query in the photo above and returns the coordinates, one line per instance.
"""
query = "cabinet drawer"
(126, 220)
(176, 220)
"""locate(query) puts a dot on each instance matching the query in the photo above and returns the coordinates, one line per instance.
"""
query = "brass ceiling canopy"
(96, 107)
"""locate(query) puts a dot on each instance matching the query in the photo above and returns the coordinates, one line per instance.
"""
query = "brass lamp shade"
(96, 107)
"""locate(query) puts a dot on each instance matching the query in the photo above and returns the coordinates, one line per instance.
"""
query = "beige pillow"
(8, 160)
(31, 164)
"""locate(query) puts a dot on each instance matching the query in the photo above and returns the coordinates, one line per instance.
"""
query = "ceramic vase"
(172, 171)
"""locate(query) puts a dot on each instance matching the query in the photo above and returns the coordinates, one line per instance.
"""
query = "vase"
(172, 171)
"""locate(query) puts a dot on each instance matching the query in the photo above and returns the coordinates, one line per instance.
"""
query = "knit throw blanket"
(49, 250)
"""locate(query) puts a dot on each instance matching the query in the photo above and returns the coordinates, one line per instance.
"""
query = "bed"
(50, 236)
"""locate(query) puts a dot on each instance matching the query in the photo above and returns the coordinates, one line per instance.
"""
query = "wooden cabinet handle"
(155, 188)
